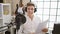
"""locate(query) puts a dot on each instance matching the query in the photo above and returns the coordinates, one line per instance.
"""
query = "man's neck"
(31, 16)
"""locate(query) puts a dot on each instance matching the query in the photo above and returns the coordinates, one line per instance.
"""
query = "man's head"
(30, 9)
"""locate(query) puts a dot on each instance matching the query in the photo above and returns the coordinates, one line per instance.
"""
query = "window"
(48, 9)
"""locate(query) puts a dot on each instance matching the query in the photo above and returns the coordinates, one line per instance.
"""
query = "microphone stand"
(6, 28)
(3, 28)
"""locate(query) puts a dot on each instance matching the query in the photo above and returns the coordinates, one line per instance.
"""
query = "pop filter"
(19, 20)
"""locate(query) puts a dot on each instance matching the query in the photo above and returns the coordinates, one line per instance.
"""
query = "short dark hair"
(30, 4)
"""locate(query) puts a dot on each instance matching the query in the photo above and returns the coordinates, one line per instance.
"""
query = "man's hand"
(32, 33)
(45, 30)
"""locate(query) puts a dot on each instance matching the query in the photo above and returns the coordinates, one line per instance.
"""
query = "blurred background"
(46, 9)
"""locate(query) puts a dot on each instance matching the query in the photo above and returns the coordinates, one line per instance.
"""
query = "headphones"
(30, 4)
(34, 9)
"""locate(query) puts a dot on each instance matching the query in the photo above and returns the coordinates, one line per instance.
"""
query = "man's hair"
(30, 4)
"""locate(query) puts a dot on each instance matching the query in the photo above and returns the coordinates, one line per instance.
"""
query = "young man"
(32, 21)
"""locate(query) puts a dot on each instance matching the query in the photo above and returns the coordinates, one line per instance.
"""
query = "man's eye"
(28, 8)
(32, 9)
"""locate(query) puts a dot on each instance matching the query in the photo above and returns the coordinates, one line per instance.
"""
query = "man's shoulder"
(36, 16)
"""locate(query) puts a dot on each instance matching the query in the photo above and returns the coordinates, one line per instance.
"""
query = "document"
(41, 26)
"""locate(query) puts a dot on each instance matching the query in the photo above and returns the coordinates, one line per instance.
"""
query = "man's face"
(30, 9)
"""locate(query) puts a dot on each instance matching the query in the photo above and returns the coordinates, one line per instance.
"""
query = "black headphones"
(30, 4)
(34, 9)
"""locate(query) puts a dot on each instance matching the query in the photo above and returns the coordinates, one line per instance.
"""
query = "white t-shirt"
(30, 26)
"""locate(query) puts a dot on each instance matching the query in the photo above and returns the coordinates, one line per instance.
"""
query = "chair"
(56, 29)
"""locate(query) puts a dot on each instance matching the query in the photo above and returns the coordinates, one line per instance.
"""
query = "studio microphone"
(20, 18)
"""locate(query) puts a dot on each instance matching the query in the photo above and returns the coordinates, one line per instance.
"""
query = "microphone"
(20, 17)
(19, 20)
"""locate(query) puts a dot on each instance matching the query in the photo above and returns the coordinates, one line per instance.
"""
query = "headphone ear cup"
(26, 9)
(35, 10)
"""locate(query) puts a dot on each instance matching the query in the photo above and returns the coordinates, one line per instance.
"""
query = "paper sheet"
(41, 26)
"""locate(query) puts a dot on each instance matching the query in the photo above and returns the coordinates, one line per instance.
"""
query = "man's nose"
(30, 10)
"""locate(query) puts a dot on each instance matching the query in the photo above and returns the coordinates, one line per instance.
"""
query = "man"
(32, 21)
